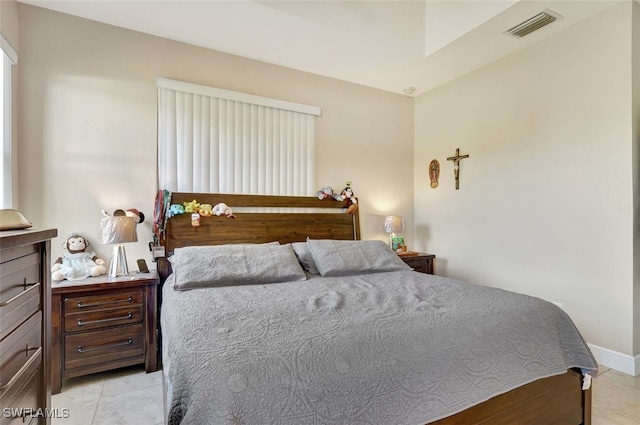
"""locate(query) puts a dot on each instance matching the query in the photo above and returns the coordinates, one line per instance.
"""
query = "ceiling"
(390, 45)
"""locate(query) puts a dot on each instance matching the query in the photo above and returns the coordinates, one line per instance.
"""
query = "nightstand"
(422, 262)
(103, 323)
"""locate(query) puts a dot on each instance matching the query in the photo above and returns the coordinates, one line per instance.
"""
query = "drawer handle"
(103, 347)
(21, 294)
(129, 300)
(91, 322)
(24, 367)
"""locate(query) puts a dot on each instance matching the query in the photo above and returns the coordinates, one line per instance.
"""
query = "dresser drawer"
(24, 401)
(102, 301)
(17, 252)
(20, 286)
(94, 347)
(20, 407)
(99, 319)
(20, 350)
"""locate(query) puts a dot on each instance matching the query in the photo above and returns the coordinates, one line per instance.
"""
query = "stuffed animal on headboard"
(352, 201)
(77, 263)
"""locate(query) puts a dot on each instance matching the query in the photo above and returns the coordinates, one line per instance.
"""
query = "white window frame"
(9, 59)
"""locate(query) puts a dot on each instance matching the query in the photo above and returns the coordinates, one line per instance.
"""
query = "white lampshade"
(393, 224)
(115, 231)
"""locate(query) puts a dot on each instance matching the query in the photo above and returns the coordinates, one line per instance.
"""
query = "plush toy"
(175, 209)
(326, 192)
(138, 215)
(223, 208)
(352, 202)
(191, 207)
(77, 263)
(205, 210)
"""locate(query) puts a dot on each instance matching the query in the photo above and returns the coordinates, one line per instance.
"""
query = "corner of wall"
(635, 132)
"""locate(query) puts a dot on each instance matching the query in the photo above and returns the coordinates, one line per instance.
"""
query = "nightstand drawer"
(102, 301)
(420, 262)
(89, 348)
(103, 318)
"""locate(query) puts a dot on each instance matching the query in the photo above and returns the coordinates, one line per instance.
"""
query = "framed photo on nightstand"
(397, 244)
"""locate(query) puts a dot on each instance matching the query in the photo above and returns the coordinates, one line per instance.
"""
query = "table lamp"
(393, 224)
(116, 230)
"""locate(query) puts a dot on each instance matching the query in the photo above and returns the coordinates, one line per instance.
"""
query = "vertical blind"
(220, 141)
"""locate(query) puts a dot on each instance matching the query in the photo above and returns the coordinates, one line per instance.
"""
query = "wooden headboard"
(268, 218)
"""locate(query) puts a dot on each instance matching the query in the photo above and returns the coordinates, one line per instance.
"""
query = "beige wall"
(545, 205)
(88, 124)
(9, 22)
(635, 96)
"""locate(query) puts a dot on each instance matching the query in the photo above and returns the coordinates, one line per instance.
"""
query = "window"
(220, 141)
(9, 58)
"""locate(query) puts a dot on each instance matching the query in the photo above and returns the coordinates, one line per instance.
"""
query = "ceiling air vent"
(534, 23)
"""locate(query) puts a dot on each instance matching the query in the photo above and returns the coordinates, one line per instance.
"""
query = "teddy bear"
(134, 213)
(326, 192)
(223, 208)
(205, 210)
(77, 263)
(191, 207)
(175, 209)
(352, 201)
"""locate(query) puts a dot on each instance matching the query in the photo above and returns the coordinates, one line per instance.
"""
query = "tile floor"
(131, 396)
(125, 396)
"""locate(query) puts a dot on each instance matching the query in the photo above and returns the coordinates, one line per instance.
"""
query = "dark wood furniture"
(422, 262)
(25, 300)
(555, 400)
(103, 323)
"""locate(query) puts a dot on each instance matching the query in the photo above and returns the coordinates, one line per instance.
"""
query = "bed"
(350, 336)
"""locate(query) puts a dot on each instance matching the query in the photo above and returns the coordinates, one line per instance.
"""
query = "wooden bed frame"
(554, 400)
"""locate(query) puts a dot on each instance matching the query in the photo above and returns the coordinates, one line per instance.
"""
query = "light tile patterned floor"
(121, 397)
(131, 396)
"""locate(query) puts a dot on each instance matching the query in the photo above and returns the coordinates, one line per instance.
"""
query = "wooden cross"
(456, 166)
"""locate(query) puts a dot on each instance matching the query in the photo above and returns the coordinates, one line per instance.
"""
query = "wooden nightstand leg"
(151, 355)
(430, 267)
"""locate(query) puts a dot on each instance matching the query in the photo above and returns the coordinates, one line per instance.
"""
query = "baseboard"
(612, 359)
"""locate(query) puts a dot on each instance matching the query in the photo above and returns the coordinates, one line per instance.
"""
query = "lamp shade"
(117, 229)
(393, 224)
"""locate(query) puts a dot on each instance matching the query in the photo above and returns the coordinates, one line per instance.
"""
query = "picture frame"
(397, 244)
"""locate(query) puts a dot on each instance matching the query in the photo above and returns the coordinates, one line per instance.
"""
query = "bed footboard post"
(586, 406)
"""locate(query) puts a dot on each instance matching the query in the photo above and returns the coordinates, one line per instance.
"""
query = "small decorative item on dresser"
(420, 261)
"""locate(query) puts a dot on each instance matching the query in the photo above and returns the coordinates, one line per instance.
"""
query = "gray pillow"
(224, 265)
(304, 257)
(345, 258)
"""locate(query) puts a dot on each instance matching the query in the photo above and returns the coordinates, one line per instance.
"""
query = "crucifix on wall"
(456, 165)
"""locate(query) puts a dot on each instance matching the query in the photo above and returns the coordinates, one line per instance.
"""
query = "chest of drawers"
(103, 323)
(25, 302)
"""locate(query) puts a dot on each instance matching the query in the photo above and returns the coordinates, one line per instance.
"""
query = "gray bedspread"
(377, 349)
